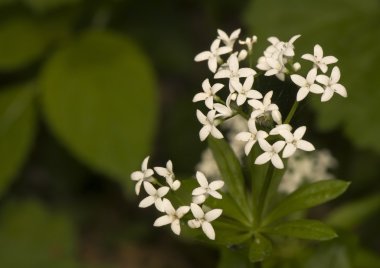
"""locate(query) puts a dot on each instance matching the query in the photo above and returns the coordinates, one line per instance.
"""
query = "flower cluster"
(264, 120)
(158, 196)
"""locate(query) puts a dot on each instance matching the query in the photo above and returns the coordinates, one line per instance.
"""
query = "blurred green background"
(88, 88)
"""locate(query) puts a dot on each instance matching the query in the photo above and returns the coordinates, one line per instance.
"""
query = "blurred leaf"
(99, 98)
(46, 5)
(23, 41)
(230, 170)
(31, 237)
(347, 29)
(17, 129)
(304, 229)
(330, 256)
(260, 248)
(232, 258)
(351, 214)
(367, 259)
(307, 196)
(230, 233)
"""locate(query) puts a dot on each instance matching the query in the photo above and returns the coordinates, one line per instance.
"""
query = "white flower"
(276, 129)
(294, 141)
(233, 72)
(229, 41)
(245, 91)
(173, 216)
(142, 175)
(318, 59)
(223, 110)
(262, 109)
(288, 47)
(155, 196)
(168, 174)
(212, 55)
(209, 125)
(206, 189)
(251, 137)
(270, 153)
(331, 85)
(306, 85)
(208, 94)
(276, 67)
(249, 41)
(203, 219)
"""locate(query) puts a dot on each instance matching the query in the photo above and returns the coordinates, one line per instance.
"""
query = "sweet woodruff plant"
(242, 208)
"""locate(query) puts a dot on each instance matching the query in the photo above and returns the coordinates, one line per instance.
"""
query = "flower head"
(306, 85)
(208, 94)
(203, 219)
(142, 175)
(209, 125)
(155, 196)
(265, 108)
(233, 72)
(331, 85)
(271, 153)
(229, 41)
(294, 141)
(206, 188)
(168, 174)
(318, 59)
(245, 90)
(212, 55)
(251, 137)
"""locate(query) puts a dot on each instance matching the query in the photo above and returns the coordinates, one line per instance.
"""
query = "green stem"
(264, 191)
(291, 113)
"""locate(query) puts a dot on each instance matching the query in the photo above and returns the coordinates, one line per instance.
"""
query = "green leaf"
(230, 170)
(304, 229)
(99, 98)
(23, 41)
(260, 248)
(32, 237)
(307, 196)
(48, 5)
(230, 233)
(358, 61)
(233, 258)
(352, 214)
(17, 130)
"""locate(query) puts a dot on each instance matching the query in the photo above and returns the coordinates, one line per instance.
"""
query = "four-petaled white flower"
(200, 193)
(213, 55)
(229, 41)
(208, 94)
(168, 174)
(276, 67)
(331, 85)
(209, 125)
(223, 110)
(262, 109)
(233, 72)
(306, 85)
(155, 196)
(141, 176)
(249, 41)
(173, 216)
(252, 136)
(245, 91)
(271, 153)
(294, 141)
(203, 219)
(318, 59)
(276, 129)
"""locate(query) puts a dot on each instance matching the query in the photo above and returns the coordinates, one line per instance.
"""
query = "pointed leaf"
(304, 229)
(308, 196)
(260, 248)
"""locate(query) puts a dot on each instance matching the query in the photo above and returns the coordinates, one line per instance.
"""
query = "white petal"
(163, 220)
(159, 204)
(197, 211)
(254, 94)
(311, 75)
(271, 72)
(222, 74)
(317, 89)
(323, 79)
(329, 60)
(305, 146)
(215, 194)
(248, 147)
(302, 93)
(256, 104)
(223, 50)
(204, 132)
(216, 185)
(212, 64)
(246, 72)
(147, 201)
(213, 214)
(233, 63)
(276, 115)
(299, 133)
(341, 90)
(286, 134)
(277, 162)
(263, 158)
(201, 118)
(202, 180)
(265, 145)
(243, 136)
(298, 80)
(181, 211)
(205, 55)
(168, 207)
(289, 150)
(162, 191)
(335, 75)
(199, 199)
(326, 96)
(175, 185)
(149, 188)
(137, 175)
(161, 171)
(144, 165)
(215, 44)
(248, 83)
(176, 227)
(222, 34)
(216, 87)
(208, 230)
(199, 191)
(318, 51)
(216, 133)
(209, 102)
(278, 145)
(241, 99)
(138, 187)
(308, 57)
(194, 224)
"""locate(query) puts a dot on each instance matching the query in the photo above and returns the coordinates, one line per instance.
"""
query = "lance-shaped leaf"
(260, 248)
(230, 169)
(307, 196)
(304, 229)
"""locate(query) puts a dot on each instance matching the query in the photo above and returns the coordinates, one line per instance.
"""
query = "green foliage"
(354, 213)
(99, 98)
(260, 248)
(230, 169)
(347, 29)
(32, 237)
(304, 229)
(306, 197)
(17, 129)
(23, 41)
(47, 5)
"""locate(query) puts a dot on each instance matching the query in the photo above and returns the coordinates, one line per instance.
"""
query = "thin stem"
(291, 113)
(264, 191)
